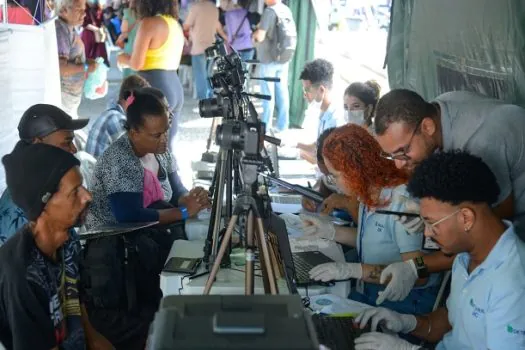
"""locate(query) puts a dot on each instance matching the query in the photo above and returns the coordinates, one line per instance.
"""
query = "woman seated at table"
(137, 170)
(334, 198)
(352, 156)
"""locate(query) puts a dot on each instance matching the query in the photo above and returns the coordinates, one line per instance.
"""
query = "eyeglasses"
(432, 227)
(309, 89)
(402, 154)
(330, 179)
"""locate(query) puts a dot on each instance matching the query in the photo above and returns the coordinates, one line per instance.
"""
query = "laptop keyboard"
(336, 333)
(302, 269)
(304, 262)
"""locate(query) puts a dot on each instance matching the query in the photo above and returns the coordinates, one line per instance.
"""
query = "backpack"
(285, 34)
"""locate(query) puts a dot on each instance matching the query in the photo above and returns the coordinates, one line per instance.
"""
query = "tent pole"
(4, 10)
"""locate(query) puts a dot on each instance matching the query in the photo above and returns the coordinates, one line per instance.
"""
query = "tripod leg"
(265, 257)
(219, 200)
(211, 136)
(215, 215)
(248, 272)
(225, 242)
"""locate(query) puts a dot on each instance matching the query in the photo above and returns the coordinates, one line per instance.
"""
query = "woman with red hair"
(353, 158)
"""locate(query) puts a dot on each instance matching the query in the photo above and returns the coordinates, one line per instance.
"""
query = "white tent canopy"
(29, 74)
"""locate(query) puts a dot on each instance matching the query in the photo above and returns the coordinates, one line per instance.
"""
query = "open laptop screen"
(277, 226)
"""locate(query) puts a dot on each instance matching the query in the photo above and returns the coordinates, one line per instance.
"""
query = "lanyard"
(361, 234)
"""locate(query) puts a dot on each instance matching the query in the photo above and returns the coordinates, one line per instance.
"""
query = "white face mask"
(355, 116)
(314, 105)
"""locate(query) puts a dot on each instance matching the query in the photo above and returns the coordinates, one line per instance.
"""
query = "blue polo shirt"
(485, 308)
(331, 118)
(380, 239)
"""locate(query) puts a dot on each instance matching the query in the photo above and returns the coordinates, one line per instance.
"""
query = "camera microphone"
(259, 96)
(273, 80)
(272, 140)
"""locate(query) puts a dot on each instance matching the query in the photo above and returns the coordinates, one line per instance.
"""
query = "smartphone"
(182, 265)
(399, 213)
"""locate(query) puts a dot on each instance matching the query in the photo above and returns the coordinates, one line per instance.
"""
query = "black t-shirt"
(39, 307)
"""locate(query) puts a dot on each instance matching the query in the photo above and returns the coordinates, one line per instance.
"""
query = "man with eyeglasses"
(457, 191)
(410, 129)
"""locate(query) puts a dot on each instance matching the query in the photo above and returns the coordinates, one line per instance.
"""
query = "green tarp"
(446, 45)
(305, 19)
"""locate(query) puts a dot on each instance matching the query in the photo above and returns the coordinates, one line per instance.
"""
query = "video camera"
(240, 129)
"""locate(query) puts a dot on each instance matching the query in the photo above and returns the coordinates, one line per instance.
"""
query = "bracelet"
(184, 212)
(86, 67)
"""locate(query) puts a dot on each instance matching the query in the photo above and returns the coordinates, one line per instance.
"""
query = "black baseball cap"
(42, 119)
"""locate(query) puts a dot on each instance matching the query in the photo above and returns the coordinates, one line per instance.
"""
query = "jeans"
(246, 54)
(418, 302)
(199, 67)
(168, 82)
(279, 93)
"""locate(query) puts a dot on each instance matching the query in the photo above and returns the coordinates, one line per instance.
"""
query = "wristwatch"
(422, 270)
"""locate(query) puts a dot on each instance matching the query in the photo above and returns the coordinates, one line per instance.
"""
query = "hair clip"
(130, 99)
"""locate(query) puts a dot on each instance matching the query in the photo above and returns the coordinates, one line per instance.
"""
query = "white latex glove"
(411, 224)
(318, 226)
(403, 276)
(381, 341)
(336, 271)
(390, 320)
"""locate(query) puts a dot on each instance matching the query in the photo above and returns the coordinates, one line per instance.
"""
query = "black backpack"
(285, 34)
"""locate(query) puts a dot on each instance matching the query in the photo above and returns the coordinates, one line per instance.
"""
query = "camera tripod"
(246, 206)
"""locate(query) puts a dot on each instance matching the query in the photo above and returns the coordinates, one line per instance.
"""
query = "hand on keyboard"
(336, 271)
(381, 341)
(390, 320)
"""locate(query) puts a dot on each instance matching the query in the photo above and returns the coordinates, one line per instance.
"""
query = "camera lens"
(212, 107)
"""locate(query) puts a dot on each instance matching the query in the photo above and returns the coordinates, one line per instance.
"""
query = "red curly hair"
(354, 152)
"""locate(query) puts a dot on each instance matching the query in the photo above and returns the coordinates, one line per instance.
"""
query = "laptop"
(336, 333)
(296, 265)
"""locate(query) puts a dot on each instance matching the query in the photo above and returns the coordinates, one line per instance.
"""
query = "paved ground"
(193, 130)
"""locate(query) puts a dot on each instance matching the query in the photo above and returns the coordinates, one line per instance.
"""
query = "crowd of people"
(457, 163)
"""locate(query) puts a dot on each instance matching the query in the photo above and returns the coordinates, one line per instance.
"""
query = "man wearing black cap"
(39, 268)
(45, 124)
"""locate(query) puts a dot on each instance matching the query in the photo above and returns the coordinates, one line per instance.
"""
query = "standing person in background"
(157, 52)
(109, 126)
(94, 34)
(317, 78)
(73, 65)
(202, 23)
(360, 102)
(267, 42)
(128, 33)
(238, 28)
